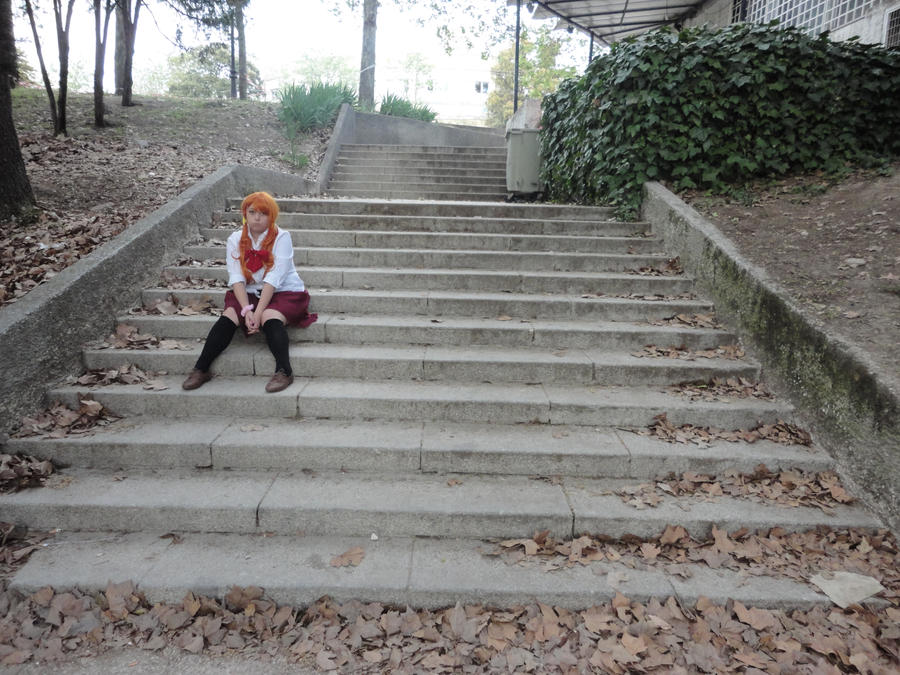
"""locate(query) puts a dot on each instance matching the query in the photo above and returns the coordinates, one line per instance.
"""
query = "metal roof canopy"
(613, 20)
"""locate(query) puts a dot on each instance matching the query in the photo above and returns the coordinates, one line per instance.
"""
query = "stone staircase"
(471, 377)
(420, 172)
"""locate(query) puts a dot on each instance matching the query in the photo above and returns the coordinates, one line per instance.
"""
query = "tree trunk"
(62, 41)
(129, 26)
(100, 33)
(367, 63)
(120, 49)
(15, 190)
(242, 50)
(45, 76)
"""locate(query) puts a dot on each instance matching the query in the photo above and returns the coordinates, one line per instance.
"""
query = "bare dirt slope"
(833, 245)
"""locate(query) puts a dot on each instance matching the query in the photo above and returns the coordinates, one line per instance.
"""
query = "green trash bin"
(523, 160)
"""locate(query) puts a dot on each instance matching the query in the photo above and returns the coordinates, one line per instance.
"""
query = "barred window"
(892, 35)
(812, 15)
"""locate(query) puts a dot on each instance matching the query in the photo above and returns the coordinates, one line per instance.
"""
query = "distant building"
(872, 21)
(455, 88)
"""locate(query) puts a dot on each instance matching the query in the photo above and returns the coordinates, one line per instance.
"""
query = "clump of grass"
(401, 107)
(306, 107)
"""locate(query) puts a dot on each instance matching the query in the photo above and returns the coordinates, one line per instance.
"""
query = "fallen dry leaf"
(352, 557)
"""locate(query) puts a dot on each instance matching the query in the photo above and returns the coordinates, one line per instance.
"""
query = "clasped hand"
(252, 323)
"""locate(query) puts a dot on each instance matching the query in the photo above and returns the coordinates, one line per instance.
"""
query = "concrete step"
(508, 403)
(332, 238)
(250, 356)
(420, 505)
(374, 329)
(581, 283)
(466, 304)
(411, 155)
(401, 571)
(355, 171)
(375, 164)
(359, 446)
(418, 194)
(445, 224)
(454, 258)
(470, 189)
(427, 208)
(480, 150)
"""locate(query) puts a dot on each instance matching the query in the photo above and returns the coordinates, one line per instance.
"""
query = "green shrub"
(307, 107)
(401, 107)
(705, 108)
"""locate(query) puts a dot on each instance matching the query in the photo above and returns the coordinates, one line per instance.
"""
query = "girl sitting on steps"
(266, 292)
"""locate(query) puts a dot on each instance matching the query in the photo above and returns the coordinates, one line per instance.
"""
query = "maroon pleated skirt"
(293, 304)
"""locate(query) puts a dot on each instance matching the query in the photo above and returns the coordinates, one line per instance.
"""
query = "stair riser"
(429, 210)
(468, 281)
(473, 188)
(339, 330)
(405, 158)
(404, 448)
(412, 366)
(298, 223)
(353, 172)
(275, 512)
(482, 242)
(420, 195)
(549, 309)
(483, 260)
(488, 149)
(316, 402)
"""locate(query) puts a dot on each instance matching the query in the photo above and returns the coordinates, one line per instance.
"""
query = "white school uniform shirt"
(282, 276)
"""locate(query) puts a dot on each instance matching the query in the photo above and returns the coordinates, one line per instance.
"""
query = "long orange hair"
(264, 203)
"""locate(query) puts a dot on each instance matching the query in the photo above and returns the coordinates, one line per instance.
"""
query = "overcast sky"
(278, 32)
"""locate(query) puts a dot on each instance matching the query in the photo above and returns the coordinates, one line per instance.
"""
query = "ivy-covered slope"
(709, 108)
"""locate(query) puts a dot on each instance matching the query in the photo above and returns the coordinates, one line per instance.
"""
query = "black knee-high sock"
(219, 337)
(277, 338)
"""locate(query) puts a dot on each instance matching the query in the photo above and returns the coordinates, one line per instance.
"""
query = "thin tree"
(239, 6)
(129, 11)
(367, 62)
(16, 195)
(103, 10)
(63, 23)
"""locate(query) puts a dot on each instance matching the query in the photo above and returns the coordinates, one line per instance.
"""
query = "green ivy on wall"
(702, 108)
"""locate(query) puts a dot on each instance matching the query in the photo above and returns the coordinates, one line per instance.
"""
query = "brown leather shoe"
(279, 382)
(196, 379)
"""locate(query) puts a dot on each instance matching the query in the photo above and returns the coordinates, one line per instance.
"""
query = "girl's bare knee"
(231, 314)
(273, 314)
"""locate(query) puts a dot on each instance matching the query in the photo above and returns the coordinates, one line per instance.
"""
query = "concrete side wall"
(374, 129)
(41, 335)
(833, 384)
(344, 132)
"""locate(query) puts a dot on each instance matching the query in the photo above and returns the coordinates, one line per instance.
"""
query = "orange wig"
(264, 203)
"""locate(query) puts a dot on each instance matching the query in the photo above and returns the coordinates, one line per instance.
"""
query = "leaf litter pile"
(171, 307)
(797, 556)
(692, 320)
(780, 432)
(352, 637)
(59, 421)
(682, 352)
(722, 389)
(18, 472)
(672, 268)
(791, 488)
(127, 336)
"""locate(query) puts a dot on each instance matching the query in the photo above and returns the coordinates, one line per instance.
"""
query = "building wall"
(870, 29)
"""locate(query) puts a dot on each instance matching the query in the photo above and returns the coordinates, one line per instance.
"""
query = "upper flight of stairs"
(420, 172)
(472, 376)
